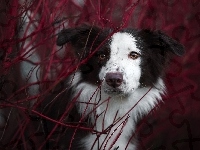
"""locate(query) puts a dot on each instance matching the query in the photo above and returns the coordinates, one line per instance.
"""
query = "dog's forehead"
(123, 42)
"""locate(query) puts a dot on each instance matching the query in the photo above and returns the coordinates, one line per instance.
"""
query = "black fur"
(85, 41)
(89, 43)
(156, 48)
(154, 45)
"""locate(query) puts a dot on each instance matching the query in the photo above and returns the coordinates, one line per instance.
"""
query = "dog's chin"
(114, 92)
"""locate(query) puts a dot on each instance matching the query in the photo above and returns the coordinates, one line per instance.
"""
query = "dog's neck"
(110, 115)
(93, 97)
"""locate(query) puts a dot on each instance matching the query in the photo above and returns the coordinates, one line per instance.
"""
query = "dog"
(118, 80)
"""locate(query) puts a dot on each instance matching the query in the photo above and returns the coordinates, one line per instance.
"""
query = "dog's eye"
(133, 55)
(101, 56)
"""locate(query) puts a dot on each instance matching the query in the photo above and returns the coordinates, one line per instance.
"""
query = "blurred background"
(33, 70)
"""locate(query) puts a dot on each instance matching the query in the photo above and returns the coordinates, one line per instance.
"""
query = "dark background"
(173, 125)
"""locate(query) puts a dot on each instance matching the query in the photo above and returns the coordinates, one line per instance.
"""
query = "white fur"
(116, 114)
(121, 46)
(30, 72)
(129, 108)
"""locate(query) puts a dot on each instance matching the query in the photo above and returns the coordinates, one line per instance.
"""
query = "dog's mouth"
(113, 91)
(116, 93)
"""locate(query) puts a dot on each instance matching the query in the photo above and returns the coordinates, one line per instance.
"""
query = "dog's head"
(120, 61)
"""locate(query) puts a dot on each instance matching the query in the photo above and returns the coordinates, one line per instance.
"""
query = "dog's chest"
(114, 125)
(114, 115)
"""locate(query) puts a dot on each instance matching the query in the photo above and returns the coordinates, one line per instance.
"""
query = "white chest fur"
(113, 118)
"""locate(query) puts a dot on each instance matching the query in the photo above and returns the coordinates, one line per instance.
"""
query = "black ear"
(158, 39)
(171, 44)
(65, 36)
(78, 36)
(84, 39)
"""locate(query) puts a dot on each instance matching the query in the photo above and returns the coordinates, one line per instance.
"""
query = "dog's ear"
(158, 39)
(79, 36)
(83, 39)
(172, 44)
(66, 35)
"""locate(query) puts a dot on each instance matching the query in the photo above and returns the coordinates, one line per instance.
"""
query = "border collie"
(119, 79)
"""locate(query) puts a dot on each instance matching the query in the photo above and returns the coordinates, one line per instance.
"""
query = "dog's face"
(122, 72)
(120, 61)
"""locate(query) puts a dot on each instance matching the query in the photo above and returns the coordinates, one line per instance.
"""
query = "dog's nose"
(114, 79)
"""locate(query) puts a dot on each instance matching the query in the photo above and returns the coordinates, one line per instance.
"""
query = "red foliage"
(31, 66)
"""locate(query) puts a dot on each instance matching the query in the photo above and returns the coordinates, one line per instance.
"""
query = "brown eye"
(102, 56)
(133, 55)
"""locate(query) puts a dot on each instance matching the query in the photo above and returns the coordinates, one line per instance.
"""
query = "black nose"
(114, 79)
